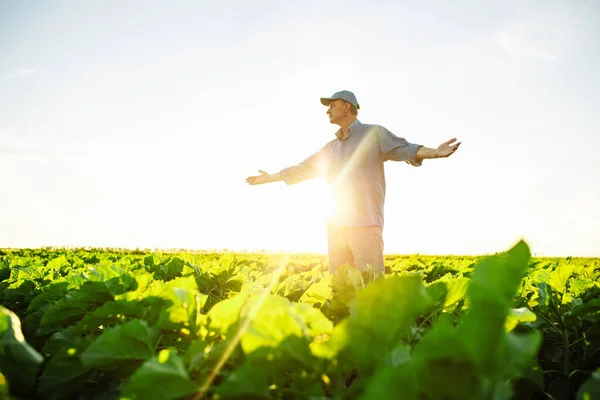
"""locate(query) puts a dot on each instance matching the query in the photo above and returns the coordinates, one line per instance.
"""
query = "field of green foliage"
(109, 324)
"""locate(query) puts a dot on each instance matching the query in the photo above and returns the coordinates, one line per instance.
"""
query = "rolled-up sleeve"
(307, 169)
(395, 148)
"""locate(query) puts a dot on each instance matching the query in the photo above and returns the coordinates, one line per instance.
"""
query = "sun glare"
(297, 218)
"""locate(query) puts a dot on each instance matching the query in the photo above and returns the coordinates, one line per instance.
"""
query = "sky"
(135, 124)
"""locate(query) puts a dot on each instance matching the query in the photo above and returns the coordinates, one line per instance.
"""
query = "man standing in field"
(352, 164)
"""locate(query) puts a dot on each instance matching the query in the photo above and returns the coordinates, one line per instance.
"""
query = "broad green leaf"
(112, 313)
(519, 350)
(559, 277)
(171, 269)
(150, 261)
(391, 384)
(577, 287)
(58, 263)
(347, 280)
(590, 307)
(493, 286)
(329, 346)
(185, 302)
(202, 357)
(31, 273)
(49, 295)
(102, 273)
(457, 290)
(443, 365)
(226, 313)
(437, 291)
(77, 303)
(312, 321)
(3, 387)
(247, 381)
(64, 375)
(502, 391)
(228, 260)
(517, 316)
(318, 293)
(590, 390)
(19, 362)
(278, 325)
(116, 280)
(304, 384)
(4, 269)
(381, 315)
(122, 346)
(544, 294)
(448, 292)
(399, 355)
(163, 377)
(144, 283)
(293, 287)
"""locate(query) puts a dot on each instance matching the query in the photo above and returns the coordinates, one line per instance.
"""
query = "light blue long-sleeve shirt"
(353, 167)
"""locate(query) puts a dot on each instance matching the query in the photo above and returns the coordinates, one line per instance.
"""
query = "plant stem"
(565, 338)
(577, 341)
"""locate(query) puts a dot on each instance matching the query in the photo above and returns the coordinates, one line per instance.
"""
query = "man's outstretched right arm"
(264, 177)
(308, 169)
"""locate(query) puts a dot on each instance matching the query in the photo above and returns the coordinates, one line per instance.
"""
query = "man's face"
(337, 111)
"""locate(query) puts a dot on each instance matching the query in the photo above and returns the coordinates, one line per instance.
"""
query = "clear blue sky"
(135, 124)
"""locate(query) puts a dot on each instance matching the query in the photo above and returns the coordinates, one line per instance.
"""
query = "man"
(352, 164)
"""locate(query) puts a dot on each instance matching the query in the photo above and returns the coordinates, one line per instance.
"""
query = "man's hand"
(446, 149)
(264, 177)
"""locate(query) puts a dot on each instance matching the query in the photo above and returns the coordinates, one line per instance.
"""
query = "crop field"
(115, 324)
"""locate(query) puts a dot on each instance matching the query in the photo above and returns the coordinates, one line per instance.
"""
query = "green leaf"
(442, 363)
(121, 347)
(65, 374)
(577, 287)
(381, 315)
(163, 377)
(170, 269)
(150, 261)
(318, 293)
(58, 263)
(519, 351)
(76, 304)
(559, 277)
(332, 344)
(448, 292)
(223, 315)
(185, 302)
(31, 273)
(590, 390)
(457, 290)
(391, 384)
(247, 381)
(112, 313)
(493, 286)
(116, 280)
(544, 294)
(591, 307)
(4, 269)
(19, 362)
(292, 287)
(50, 294)
(517, 316)
(277, 324)
(3, 388)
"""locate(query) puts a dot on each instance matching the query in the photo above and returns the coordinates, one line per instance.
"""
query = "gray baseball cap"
(342, 95)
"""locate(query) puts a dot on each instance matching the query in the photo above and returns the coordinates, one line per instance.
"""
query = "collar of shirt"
(352, 127)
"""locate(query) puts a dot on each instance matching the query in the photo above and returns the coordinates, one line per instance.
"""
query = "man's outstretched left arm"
(444, 150)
